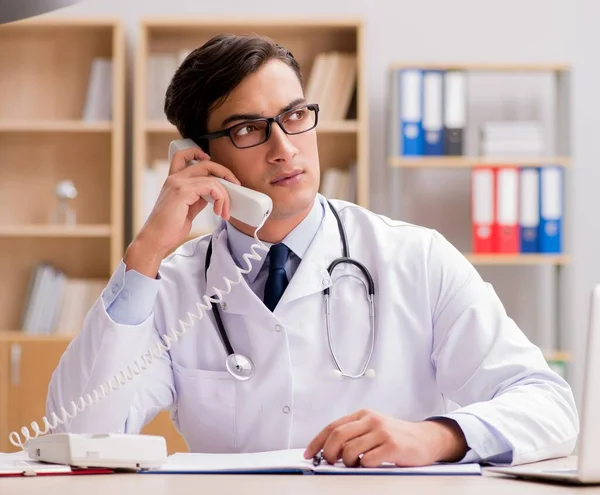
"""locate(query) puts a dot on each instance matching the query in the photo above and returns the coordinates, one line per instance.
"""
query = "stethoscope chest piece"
(239, 366)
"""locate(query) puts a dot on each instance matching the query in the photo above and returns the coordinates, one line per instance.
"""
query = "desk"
(163, 484)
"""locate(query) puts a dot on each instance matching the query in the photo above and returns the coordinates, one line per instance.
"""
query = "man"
(453, 378)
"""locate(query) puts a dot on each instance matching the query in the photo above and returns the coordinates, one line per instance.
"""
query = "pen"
(317, 458)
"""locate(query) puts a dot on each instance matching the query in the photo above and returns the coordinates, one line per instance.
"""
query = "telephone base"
(107, 450)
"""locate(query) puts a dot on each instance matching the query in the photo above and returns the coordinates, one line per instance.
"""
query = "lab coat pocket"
(206, 408)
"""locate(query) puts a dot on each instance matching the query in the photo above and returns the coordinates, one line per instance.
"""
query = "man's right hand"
(180, 200)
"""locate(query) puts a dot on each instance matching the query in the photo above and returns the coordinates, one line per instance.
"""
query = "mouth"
(286, 178)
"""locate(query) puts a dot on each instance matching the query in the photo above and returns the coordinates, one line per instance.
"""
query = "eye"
(244, 130)
(297, 114)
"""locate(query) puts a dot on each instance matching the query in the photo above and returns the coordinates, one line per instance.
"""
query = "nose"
(282, 149)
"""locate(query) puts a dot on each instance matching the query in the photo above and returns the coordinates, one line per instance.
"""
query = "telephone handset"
(248, 206)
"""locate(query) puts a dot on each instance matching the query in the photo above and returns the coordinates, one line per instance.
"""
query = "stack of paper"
(292, 461)
(20, 464)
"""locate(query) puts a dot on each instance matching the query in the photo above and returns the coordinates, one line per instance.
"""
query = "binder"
(506, 228)
(529, 208)
(482, 209)
(433, 112)
(455, 111)
(551, 209)
(411, 112)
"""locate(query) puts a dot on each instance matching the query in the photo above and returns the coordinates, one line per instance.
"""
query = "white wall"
(585, 239)
(526, 31)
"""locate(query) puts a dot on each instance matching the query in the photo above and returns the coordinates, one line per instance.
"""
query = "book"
(291, 461)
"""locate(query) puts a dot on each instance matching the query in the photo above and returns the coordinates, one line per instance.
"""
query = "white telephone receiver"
(247, 205)
(139, 451)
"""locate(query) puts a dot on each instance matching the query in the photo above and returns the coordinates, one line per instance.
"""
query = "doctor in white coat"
(451, 377)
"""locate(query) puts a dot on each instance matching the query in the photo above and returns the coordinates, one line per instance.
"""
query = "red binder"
(482, 208)
(506, 236)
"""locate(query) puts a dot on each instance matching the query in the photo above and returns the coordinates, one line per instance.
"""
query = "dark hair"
(209, 74)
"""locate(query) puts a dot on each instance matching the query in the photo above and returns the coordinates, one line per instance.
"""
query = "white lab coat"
(444, 344)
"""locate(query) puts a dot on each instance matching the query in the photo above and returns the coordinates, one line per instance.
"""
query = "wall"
(466, 31)
(585, 237)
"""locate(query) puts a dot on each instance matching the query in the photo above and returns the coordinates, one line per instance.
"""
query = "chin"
(291, 205)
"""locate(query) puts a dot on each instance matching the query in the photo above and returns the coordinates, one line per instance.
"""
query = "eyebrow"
(252, 116)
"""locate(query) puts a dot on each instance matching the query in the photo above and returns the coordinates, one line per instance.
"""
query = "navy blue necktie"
(277, 280)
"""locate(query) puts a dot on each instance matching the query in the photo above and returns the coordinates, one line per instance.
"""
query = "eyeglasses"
(257, 131)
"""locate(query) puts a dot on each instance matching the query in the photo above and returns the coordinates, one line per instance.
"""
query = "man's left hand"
(368, 439)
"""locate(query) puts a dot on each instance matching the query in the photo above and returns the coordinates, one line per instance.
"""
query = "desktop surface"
(164, 484)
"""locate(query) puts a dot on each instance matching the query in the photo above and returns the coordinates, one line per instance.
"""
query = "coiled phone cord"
(140, 364)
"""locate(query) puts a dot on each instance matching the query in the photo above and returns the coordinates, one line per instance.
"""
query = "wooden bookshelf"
(340, 142)
(63, 125)
(555, 153)
(46, 66)
(44, 139)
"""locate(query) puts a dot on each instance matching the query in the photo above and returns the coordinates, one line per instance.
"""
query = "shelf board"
(187, 22)
(473, 161)
(54, 126)
(12, 335)
(55, 231)
(336, 126)
(517, 259)
(483, 67)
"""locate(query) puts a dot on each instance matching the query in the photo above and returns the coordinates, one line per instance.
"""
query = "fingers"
(203, 168)
(352, 451)
(208, 168)
(190, 192)
(376, 456)
(181, 158)
(340, 436)
(319, 441)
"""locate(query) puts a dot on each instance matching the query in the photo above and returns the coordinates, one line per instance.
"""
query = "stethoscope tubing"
(345, 258)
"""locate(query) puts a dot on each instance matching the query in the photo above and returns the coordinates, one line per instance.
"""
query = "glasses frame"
(269, 121)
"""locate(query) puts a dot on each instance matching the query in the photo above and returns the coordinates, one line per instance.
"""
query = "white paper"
(293, 459)
(20, 462)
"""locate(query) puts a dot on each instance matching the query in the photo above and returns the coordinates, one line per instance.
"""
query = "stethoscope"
(242, 368)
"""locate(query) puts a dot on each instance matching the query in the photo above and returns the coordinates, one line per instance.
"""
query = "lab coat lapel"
(241, 299)
(311, 275)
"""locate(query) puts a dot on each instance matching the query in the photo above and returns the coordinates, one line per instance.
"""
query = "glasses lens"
(299, 120)
(249, 133)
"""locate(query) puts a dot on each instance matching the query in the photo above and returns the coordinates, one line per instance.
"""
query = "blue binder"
(529, 214)
(411, 111)
(551, 209)
(433, 112)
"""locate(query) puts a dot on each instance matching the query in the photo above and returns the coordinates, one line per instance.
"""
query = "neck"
(276, 228)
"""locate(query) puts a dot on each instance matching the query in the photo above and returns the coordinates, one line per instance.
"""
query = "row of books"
(517, 209)
(332, 84)
(338, 183)
(56, 303)
(160, 68)
(432, 111)
(98, 99)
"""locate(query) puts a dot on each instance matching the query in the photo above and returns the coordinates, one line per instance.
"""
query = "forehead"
(263, 93)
